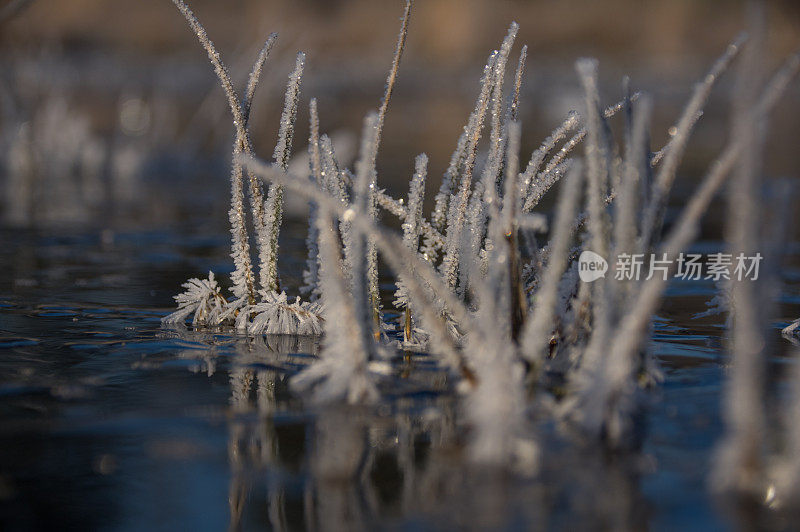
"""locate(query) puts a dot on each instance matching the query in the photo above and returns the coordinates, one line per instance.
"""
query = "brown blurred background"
(99, 54)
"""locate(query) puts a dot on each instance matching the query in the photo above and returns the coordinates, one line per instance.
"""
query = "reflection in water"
(352, 468)
(102, 426)
(334, 497)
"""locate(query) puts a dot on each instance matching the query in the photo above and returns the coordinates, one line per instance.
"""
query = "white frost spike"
(791, 329)
(740, 461)
(441, 211)
(572, 120)
(495, 408)
(494, 163)
(494, 310)
(243, 274)
(544, 183)
(392, 77)
(358, 252)
(473, 235)
(273, 208)
(341, 373)
(242, 277)
(673, 152)
(497, 136)
(372, 209)
(536, 335)
(514, 107)
(311, 273)
(275, 314)
(283, 149)
(458, 203)
(202, 298)
(332, 181)
(255, 76)
(596, 157)
(634, 177)
(539, 154)
(412, 227)
(216, 61)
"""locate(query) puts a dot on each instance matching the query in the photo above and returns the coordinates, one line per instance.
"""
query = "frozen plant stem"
(243, 274)
(536, 335)
(535, 182)
(372, 253)
(411, 230)
(311, 273)
(457, 206)
(673, 152)
(342, 371)
(416, 270)
(629, 334)
(441, 211)
(510, 220)
(740, 467)
(273, 212)
(392, 77)
(634, 177)
(358, 249)
(514, 108)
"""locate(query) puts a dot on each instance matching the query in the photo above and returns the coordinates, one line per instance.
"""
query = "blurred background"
(110, 112)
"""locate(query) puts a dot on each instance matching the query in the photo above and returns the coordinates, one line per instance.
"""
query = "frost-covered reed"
(255, 308)
(755, 460)
(506, 315)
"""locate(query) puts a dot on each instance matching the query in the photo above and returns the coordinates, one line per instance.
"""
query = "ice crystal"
(201, 300)
(275, 314)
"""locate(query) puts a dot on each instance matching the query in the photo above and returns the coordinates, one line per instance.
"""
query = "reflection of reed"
(333, 495)
(361, 467)
(241, 380)
(239, 485)
(253, 444)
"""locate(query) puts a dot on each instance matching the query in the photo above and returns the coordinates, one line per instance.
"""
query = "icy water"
(108, 421)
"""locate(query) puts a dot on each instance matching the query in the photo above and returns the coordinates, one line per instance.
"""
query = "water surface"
(109, 421)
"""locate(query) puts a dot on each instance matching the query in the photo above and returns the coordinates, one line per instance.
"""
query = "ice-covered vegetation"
(479, 285)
